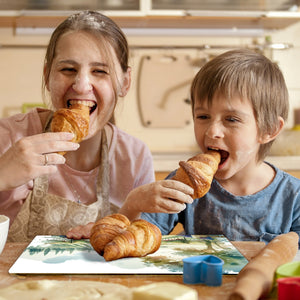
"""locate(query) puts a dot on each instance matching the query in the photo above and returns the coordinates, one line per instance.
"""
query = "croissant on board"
(124, 240)
(75, 119)
(139, 239)
(198, 172)
(106, 229)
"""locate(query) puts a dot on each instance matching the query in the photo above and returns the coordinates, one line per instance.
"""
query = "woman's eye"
(202, 117)
(101, 71)
(68, 70)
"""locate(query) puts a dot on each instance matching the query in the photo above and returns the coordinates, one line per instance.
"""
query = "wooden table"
(13, 250)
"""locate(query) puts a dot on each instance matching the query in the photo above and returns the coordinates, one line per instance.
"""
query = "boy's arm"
(165, 196)
(165, 222)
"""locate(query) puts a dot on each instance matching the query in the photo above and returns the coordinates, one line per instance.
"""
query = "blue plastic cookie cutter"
(206, 269)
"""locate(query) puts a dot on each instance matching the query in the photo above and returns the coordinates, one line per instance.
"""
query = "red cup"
(288, 288)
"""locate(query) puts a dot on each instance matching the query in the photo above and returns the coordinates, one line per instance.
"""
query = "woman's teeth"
(83, 102)
(92, 105)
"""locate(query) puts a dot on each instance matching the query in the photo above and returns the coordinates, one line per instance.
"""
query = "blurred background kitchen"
(170, 40)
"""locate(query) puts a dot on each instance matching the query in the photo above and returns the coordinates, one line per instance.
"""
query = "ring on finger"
(46, 159)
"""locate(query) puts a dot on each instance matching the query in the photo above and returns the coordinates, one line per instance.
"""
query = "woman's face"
(80, 73)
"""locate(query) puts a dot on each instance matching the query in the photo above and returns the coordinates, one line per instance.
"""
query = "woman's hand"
(80, 232)
(165, 196)
(33, 156)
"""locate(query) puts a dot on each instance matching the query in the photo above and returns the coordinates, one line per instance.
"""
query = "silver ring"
(46, 159)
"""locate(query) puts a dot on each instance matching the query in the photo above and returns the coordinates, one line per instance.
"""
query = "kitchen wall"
(167, 135)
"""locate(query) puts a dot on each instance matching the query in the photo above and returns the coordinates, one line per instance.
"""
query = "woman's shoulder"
(121, 139)
(23, 123)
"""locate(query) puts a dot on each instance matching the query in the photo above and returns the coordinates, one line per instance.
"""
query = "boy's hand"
(165, 196)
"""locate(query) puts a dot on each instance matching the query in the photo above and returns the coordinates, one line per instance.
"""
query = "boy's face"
(230, 127)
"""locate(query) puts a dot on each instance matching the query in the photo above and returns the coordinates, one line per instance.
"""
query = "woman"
(44, 192)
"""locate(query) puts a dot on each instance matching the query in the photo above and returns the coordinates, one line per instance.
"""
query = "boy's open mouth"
(91, 104)
(224, 154)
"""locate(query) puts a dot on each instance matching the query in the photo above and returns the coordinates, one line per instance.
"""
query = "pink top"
(129, 158)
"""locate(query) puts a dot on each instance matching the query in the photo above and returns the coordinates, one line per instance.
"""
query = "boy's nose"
(82, 84)
(215, 130)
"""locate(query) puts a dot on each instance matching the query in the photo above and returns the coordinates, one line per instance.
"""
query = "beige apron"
(48, 214)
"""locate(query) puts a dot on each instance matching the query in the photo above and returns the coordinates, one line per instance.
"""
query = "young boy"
(239, 104)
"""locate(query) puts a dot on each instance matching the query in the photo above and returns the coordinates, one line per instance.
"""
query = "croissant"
(139, 239)
(106, 229)
(75, 120)
(115, 237)
(198, 172)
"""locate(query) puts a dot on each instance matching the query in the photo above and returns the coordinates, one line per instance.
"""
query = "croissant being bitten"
(115, 237)
(198, 172)
(75, 119)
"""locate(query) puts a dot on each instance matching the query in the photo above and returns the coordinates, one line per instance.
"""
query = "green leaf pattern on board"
(60, 245)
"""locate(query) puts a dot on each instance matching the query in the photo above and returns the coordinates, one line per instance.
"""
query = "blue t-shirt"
(258, 217)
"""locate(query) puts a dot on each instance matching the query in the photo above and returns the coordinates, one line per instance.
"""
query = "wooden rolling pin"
(255, 280)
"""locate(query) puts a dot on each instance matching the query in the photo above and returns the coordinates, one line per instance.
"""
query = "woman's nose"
(82, 84)
(215, 130)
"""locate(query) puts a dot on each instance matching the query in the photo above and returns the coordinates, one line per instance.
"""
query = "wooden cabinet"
(159, 175)
(259, 14)
(162, 175)
(295, 173)
(44, 19)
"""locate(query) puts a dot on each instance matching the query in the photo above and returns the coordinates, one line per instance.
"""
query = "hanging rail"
(273, 46)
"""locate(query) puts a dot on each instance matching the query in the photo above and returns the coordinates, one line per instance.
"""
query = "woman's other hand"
(80, 232)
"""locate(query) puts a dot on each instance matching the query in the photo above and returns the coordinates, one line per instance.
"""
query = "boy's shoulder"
(284, 184)
(282, 175)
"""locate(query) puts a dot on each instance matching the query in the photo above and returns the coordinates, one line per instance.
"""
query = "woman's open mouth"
(91, 104)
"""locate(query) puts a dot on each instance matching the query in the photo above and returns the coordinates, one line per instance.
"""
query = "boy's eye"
(232, 119)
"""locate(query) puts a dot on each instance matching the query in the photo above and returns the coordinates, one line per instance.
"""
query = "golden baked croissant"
(139, 239)
(115, 237)
(75, 120)
(198, 172)
(107, 228)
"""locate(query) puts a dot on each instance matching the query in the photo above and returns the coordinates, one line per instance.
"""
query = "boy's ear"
(126, 83)
(267, 137)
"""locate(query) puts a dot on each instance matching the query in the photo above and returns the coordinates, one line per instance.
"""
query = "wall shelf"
(212, 20)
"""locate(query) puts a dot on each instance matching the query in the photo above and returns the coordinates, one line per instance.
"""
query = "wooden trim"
(212, 22)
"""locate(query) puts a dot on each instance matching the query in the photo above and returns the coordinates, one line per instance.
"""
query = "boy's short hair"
(252, 76)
